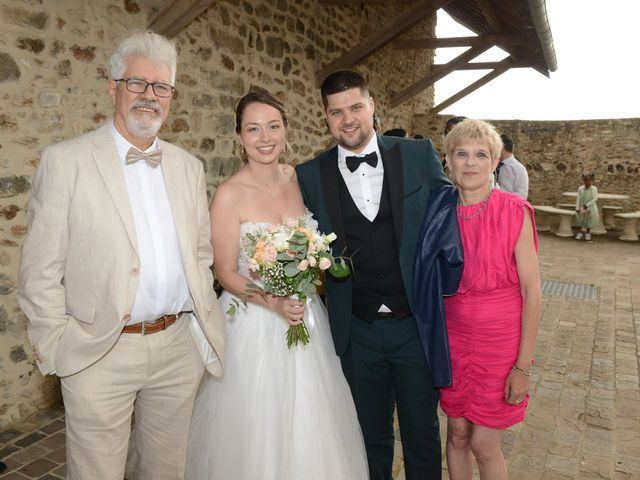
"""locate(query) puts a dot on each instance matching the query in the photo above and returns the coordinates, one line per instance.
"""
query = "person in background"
(586, 207)
(511, 175)
(452, 122)
(492, 319)
(396, 132)
(115, 277)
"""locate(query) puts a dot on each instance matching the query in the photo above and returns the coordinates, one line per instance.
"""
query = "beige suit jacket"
(79, 266)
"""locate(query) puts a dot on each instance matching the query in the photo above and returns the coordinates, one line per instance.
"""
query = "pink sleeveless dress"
(484, 317)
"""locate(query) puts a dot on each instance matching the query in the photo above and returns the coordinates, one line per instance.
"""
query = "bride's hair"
(258, 97)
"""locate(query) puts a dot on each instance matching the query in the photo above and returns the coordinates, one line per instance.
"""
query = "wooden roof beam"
(175, 15)
(494, 39)
(502, 67)
(490, 15)
(437, 73)
(489, 65)
(399, 25)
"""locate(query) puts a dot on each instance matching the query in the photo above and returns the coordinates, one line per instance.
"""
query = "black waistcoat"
(372, 246)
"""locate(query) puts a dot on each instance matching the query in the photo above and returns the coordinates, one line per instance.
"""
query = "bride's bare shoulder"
(288, 172)
(232, 189)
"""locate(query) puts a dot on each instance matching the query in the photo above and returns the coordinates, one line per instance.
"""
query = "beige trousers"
(156, 374)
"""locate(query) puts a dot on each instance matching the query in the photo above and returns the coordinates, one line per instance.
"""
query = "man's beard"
(143, 124)
(358, 142)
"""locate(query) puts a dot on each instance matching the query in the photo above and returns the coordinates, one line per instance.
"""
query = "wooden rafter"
(490, 15)
(399, 25)
(494, 39)
(175, 15)
(501, 68)
(349, 3)
(437, 73)
(490, 65)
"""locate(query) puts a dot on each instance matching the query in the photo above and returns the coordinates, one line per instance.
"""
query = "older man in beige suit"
(115, 277)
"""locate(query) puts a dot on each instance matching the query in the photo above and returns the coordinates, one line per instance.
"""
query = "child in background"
(586, 207)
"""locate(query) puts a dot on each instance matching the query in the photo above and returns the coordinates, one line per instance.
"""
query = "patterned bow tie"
(152, 158)
(354, 162)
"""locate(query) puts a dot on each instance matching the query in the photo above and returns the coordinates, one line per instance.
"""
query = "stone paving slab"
(583, 420)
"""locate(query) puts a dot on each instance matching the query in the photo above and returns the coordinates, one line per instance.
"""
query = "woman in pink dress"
(493, 318)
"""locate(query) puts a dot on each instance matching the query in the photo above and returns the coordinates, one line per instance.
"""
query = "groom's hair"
(342, 80)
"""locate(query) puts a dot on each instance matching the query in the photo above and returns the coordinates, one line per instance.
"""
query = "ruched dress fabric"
(277, 413)
(484, 318)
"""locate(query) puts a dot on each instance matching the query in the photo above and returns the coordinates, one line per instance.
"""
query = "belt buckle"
(142, 332)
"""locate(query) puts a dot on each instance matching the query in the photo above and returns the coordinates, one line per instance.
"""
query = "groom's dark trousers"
(381, 353)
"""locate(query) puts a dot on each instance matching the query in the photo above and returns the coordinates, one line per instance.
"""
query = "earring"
(452, 178)
(243, 153)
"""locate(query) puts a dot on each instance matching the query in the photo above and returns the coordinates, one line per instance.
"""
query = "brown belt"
(157, 325)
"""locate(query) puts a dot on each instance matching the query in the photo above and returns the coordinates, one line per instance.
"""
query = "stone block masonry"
(53, 79)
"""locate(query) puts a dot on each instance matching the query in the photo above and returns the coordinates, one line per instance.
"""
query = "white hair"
(148, 44)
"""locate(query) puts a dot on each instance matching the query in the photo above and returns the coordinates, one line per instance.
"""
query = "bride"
(278, 413)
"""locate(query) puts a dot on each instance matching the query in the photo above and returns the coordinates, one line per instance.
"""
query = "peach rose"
(270, 254)
(324, 263)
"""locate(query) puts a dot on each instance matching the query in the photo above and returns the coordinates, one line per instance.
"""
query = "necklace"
(271, 192)
(477, 212)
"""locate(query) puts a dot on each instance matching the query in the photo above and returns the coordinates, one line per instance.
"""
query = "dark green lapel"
(329, 178)
(393, 168)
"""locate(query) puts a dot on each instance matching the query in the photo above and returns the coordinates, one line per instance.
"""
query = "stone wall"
(53, 71)
(556, 153)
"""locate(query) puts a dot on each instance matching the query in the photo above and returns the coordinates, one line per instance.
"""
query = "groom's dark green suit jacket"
(411, 169)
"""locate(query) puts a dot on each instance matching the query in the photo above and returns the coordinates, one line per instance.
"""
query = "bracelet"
(517, 369)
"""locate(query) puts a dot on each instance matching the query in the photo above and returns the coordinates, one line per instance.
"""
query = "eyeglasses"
(135, 85)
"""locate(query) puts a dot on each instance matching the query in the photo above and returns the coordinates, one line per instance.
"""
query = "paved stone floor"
(583, 420)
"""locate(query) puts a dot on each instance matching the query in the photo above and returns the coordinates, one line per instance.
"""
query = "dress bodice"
(489, 241)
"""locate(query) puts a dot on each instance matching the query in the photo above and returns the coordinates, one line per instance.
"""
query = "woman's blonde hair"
(471, 129)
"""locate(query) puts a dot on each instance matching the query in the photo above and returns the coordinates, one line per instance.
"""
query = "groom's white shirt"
(365, 184)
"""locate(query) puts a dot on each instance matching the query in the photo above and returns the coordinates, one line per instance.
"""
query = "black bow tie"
(354, 162)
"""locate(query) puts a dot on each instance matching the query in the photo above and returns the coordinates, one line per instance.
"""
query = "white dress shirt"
(365, 184)
(162, 284)
(513, 177)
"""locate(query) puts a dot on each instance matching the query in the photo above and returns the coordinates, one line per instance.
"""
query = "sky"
(597, 45)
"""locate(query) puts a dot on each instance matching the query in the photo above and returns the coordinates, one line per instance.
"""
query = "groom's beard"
(360, 140)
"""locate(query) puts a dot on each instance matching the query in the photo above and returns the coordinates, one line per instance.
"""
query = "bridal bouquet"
(289, 259)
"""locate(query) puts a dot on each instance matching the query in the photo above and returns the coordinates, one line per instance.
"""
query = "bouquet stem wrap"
(302, 332)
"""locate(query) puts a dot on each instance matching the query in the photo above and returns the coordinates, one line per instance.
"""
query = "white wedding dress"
(278, 413)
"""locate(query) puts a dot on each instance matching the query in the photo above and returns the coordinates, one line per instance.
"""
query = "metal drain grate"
(573, 290)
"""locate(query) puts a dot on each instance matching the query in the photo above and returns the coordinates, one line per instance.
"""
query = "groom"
(372, 191)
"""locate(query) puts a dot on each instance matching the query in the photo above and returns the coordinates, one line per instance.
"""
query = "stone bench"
(608, 212)
(572, 207)
(629, 232)
(564, 229)
(566, 206)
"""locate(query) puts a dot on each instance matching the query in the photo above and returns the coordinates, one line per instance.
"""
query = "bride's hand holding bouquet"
(289, 260)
